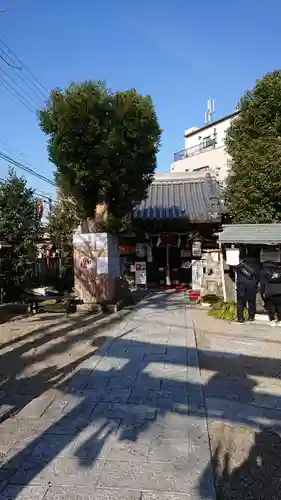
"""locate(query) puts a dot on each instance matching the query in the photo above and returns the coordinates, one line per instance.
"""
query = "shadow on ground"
(133, 404)
(258, 476)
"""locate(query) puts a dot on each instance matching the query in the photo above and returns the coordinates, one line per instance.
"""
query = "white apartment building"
(204, 149)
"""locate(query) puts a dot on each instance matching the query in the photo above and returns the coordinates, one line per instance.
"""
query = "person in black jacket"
(248, 272)
(270, 288)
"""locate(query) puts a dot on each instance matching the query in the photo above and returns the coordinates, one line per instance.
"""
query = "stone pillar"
(212, 280)
(168, 277)
(96, 266)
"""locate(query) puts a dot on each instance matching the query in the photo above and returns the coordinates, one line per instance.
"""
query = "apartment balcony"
(207, 144)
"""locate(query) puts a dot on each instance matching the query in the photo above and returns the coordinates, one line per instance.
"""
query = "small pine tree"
(20, 229)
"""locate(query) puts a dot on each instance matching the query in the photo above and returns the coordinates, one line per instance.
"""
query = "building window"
(202, 169)
(207, 142)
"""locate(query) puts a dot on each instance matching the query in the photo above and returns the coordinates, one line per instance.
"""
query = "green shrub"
(211, 298)
(226, 311)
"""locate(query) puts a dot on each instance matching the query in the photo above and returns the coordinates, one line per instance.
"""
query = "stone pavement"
(125, 421)
(241, 375)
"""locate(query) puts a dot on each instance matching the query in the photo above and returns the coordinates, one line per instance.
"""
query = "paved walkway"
(127, 424)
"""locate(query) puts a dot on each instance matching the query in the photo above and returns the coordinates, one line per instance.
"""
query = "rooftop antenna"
(209, 113)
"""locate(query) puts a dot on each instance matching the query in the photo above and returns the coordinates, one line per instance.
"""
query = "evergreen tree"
(103, 144)
(20, 229)
(253, 190)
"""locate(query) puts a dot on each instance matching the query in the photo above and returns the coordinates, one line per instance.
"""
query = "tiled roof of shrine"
(197, 200)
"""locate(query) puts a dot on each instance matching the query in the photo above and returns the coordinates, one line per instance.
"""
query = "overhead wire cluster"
(17, 79)
(26, 168)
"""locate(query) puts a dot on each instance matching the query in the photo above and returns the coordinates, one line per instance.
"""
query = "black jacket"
(269, 289)
(242, 280)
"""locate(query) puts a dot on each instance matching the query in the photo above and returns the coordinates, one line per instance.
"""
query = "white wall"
(196, 138)
(215, 159)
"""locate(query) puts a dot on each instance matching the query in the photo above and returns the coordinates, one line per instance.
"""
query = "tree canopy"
(62, 221)
(253, 190)
(20, 228)
(103, 143)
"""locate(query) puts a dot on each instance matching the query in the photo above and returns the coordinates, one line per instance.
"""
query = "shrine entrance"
(173, 227)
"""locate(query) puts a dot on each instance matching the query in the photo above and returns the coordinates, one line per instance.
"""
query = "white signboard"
(140, 273)
(101, 241)
(102, 265)
(196, 248)
(197, 274)
(232, 256)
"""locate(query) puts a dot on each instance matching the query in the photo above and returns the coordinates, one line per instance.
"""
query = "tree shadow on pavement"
(133, 404)
(42, 359)
(258, 477)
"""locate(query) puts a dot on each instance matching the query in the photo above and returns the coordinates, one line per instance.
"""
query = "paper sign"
(102, 265)
(232, 256)
(101, 241)
(140, 273)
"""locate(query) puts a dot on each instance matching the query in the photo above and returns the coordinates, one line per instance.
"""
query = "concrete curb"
(197, 400)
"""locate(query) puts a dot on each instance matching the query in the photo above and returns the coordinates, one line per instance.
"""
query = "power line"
(49, 199)
(23, 76)
(20, 87)
(25, 87)
(24, 66)
(15, 151)
(19, 153)
(17, 95)
(29, 170)
(7, 62)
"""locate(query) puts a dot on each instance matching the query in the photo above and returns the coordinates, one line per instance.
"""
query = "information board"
(140, 273)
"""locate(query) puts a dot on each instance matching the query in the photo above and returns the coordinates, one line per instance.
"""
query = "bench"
(32, 301)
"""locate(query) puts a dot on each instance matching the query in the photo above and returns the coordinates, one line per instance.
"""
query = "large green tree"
(20, 229)
(253, 190)
(62, 221)
(103, 143)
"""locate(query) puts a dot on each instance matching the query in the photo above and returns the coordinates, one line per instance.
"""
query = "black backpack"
(247, 271)
(275, 275)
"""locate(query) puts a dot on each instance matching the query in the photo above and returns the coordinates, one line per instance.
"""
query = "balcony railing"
(207, 144)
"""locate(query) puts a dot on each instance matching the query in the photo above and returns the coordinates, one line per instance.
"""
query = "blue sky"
(180, 51)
